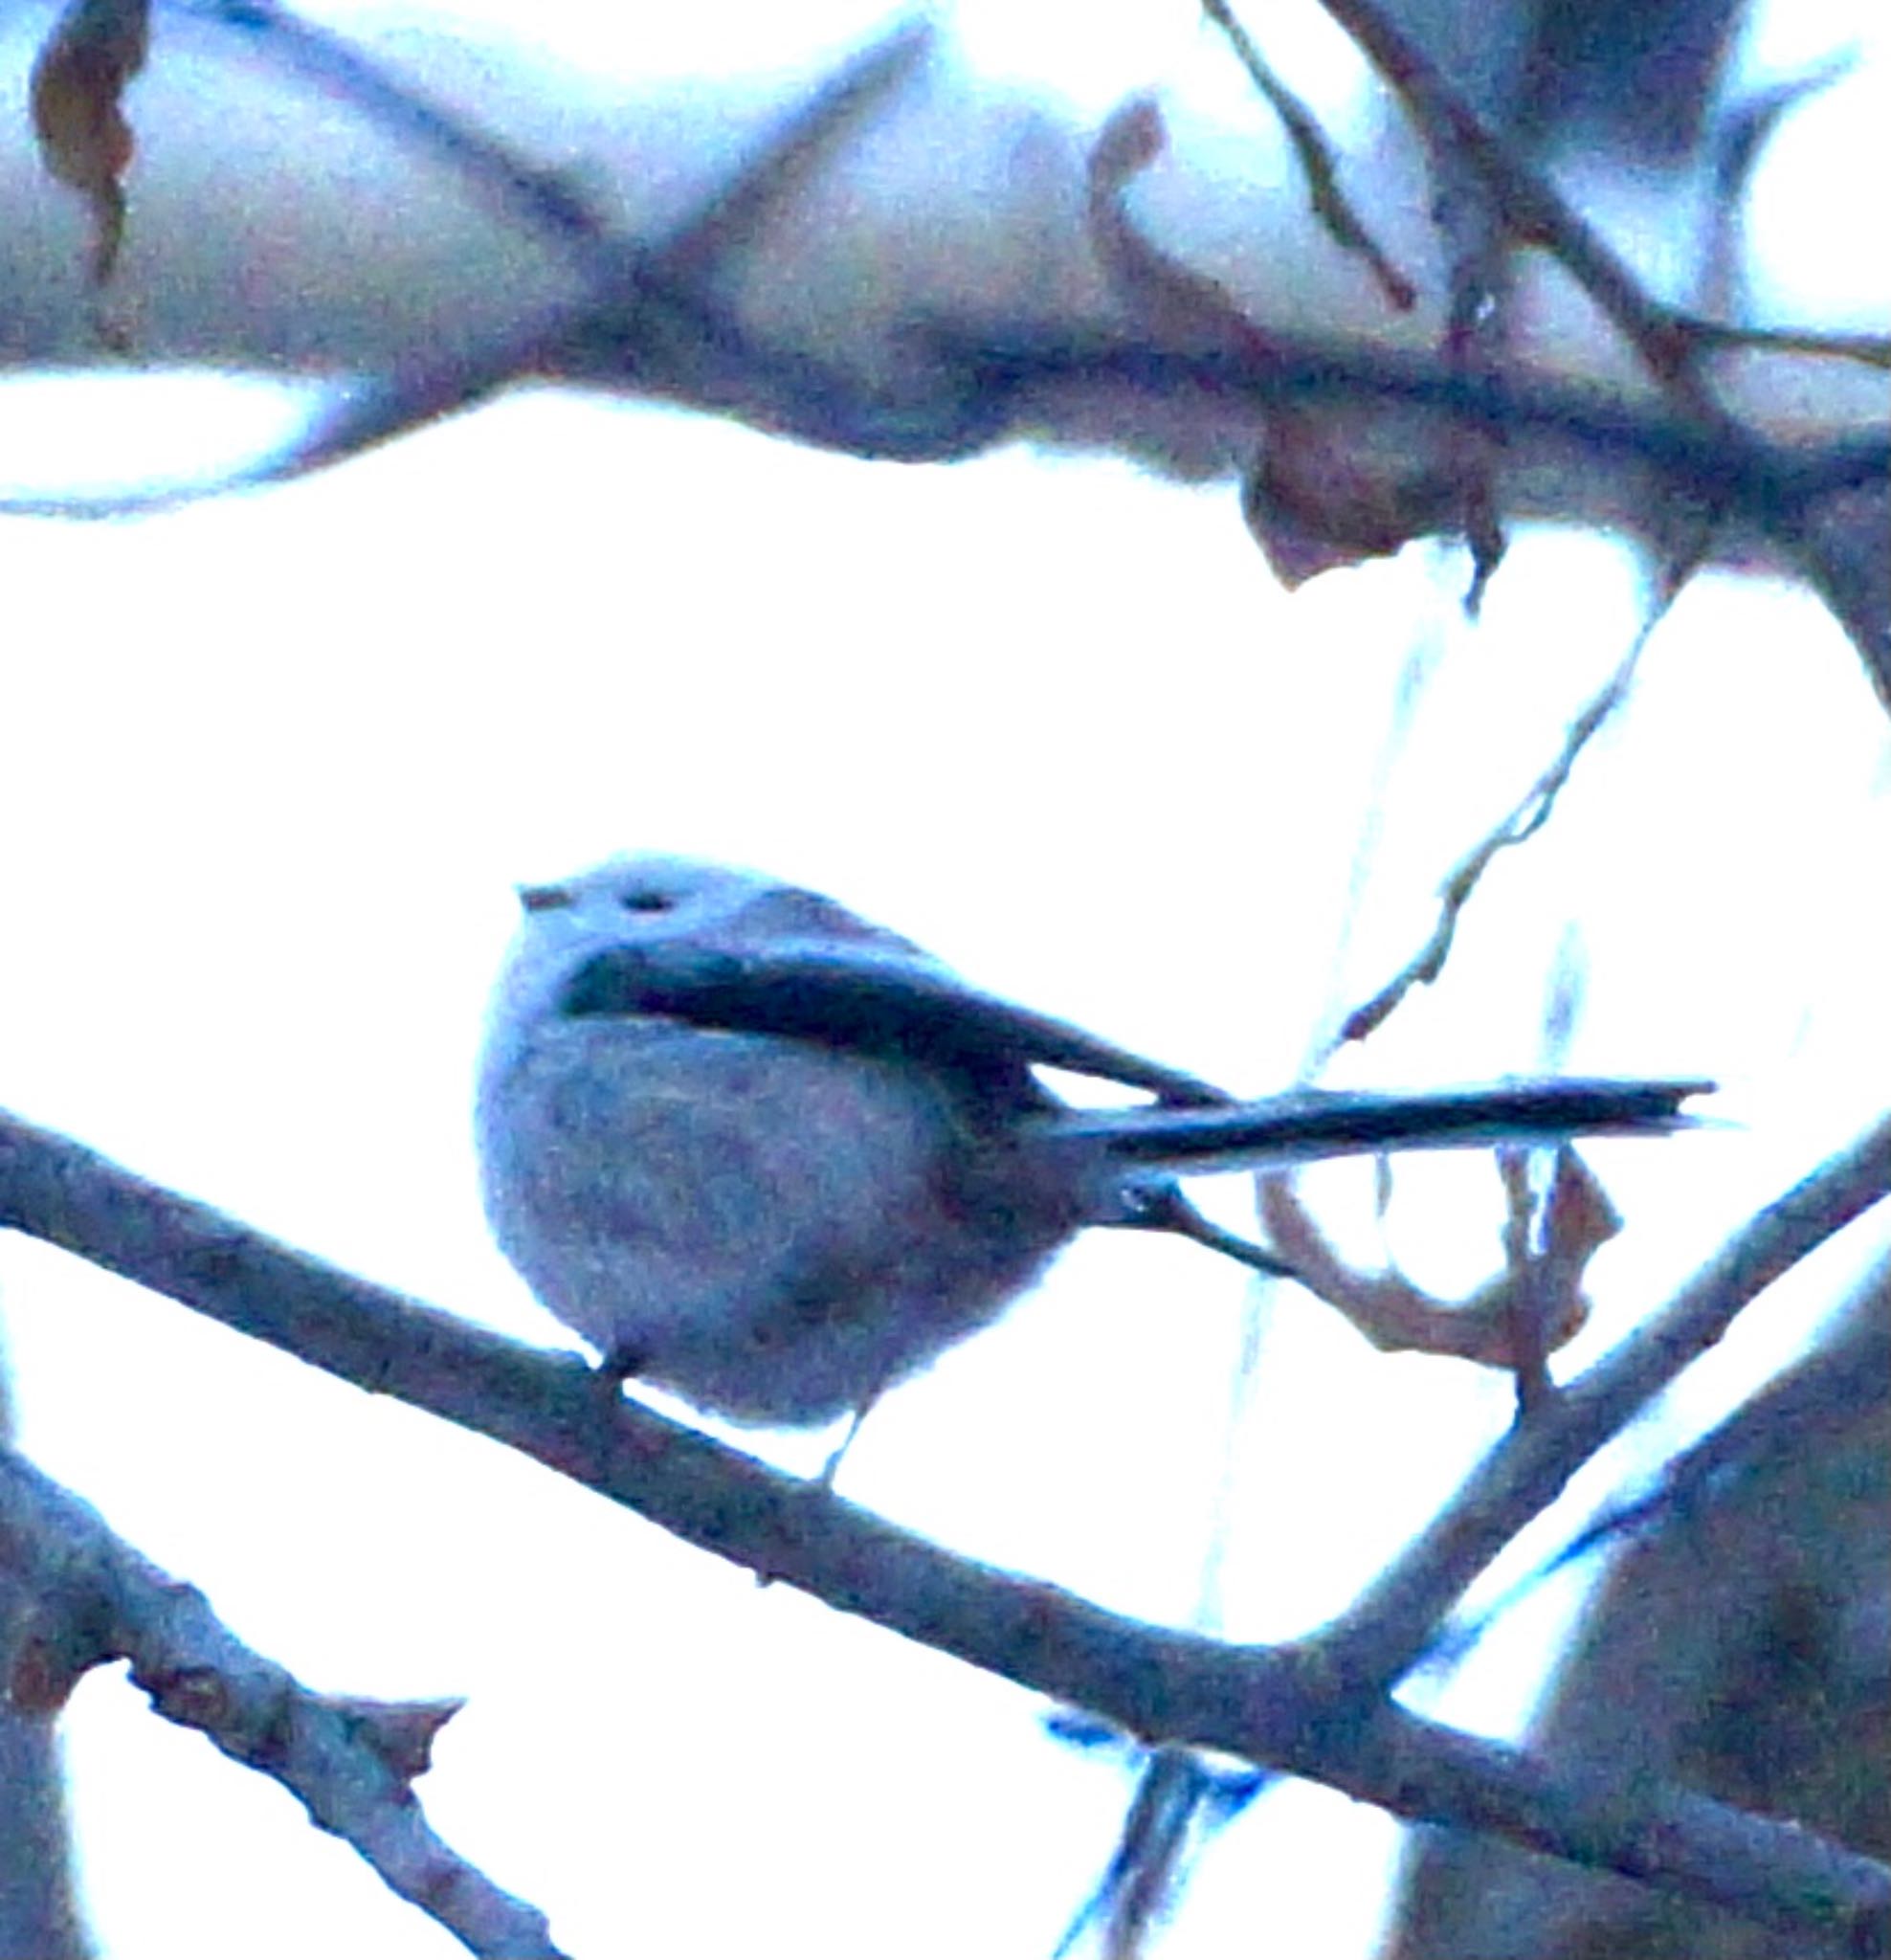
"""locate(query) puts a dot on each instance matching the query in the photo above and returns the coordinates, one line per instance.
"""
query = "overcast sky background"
(270, 771)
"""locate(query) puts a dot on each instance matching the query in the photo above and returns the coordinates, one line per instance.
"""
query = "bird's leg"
(1161, 1208)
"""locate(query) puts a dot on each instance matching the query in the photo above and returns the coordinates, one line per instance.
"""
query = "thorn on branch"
(351, 1761)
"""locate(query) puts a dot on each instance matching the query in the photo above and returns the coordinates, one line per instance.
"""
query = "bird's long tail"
(1310, 1124)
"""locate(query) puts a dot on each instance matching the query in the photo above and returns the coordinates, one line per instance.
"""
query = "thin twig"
(1330, 205)
(1531, 812)
(1532, 211)
(1868, 349)
(1737, 145)
(1536, 214)
(351, 1762)
(545, 202)
(1273, 1707)
(659, 284)
(1174, 1787)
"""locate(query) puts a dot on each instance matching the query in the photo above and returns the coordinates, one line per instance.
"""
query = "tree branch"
(798, 297)
(1263, 1704)
(1385, 1630)
(1524, 821)
(1534, 213)
(352, 1763)
(38, 1911)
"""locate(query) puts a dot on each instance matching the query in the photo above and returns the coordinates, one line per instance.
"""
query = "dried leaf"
(1344, 482)
(79, 83)
(1333, 485)
(1579, 1219)
(1161, 293)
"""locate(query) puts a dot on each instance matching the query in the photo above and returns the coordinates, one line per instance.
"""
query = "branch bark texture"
(93, 1600)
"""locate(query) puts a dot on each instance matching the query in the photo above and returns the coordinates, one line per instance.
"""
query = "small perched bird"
(767, 1154)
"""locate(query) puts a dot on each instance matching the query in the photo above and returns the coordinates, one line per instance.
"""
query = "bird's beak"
(543, 898)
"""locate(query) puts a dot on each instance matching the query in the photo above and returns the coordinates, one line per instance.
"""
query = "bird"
(772, 1157)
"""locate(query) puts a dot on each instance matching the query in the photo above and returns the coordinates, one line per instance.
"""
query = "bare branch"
(351, 1762)
(1273, 1706)
(1027, 382)
(1346, 229)
(1531, 812)
(38, 1911)
(1650, 1830)
(938, 366)
(1535, 213)
(1868, 349)
(540, 200)
(634, 293)
(1822, 1392)
(1531, 209)
(1376, 1640)
(645, 302)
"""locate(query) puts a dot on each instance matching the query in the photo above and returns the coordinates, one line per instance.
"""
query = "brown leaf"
(1391, 1313)
(79, 83)
(1333, 484)
(1339, 485)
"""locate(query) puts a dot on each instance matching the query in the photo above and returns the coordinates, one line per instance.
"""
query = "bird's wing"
(859, 997)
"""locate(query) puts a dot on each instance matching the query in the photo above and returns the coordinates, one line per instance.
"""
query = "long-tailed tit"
(775, 1158)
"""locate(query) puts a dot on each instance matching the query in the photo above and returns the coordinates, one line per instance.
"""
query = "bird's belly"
(773, 1229)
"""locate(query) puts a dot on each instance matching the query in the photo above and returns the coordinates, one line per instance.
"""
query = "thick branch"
(351, 1762)
(1253, 1701)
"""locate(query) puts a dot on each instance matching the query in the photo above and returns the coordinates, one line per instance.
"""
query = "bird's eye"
(641, 899)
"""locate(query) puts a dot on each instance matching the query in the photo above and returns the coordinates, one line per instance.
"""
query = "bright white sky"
(270, 773)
